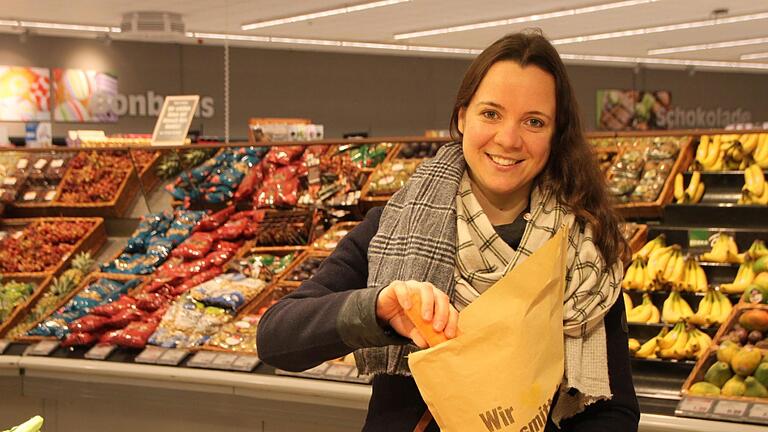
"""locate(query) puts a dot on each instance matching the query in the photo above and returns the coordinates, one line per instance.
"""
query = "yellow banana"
(701, 278)
(691, 347)
(704, 342)
(703, 311)
(715, 311)
(689, 283)
(650, 246)
(702, 149)
(719, 252)
(627, 303)
(760, 155)
(634, 345)
(683, 308)
(713, 154)
(725, 307)
(754, 180)
(670, 313)
(629, 276)
(655, 315)
(698, 194)
(762, 199)
(648, 349)
(639, 281)
(677, 272)
(750, 143)
(672, 264)
(679, 190)
(674, 340)
(657, 261)
(641, 313)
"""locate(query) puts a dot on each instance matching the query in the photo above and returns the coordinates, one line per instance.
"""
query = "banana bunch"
(693, 193)
(665, 264)
(709, 153)
(683, 343)
(649, 349)
(744, 278)
(694, 277)
(658, 242)
(755, 191)
(636, 276)
(724, 250)
(760, 153)
(697, 343)
(755, 251)
(646, 312)
(675, 308)
(713, 308)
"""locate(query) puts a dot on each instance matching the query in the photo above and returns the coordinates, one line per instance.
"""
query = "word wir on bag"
(501, 418)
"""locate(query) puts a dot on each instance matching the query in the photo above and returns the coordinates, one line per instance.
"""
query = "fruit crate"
(119, 206)
(328, 241)
(338, 150)
(250, 249)
(286, 228)
(40, 283)
(654, 209)
(272, 293)
(733, 319)
(637, 237)
(87, 280)
(287, 278)
(92, 241)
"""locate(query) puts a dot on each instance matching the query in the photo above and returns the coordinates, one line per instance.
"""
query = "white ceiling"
(380, 24)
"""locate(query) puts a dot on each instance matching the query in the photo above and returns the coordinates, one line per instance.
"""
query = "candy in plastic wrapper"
(135, 334)
(229, 291)
(126, 316)
(196, 246)
(88, 323)
(79, 339)
(232, 229)
(283, 155)
(110, 309)
(215, 220)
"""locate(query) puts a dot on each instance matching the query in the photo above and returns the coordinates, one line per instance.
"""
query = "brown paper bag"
(501, 373)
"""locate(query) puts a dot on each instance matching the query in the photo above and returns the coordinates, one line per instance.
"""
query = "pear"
(761, 374)
(734, 387)
(726, 351)
(753, 388)
(704, 388)
(718, 374)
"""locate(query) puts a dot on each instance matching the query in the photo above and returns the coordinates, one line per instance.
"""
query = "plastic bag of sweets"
(231, 230)
(284, 155)
(87, 323)
(196, 280)
(229, 291)
(278, 195)
(80, 339)
(125, 317)
(135, 334)
(214, 220)
(182, 225)
(254, 177)
(195, 246)
(110, 309)
(237, 336)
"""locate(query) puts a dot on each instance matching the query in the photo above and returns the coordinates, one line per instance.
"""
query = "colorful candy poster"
(84, 96)
(632, 109)
(24, 94)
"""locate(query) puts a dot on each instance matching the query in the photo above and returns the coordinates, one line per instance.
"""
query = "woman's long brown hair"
(572, 170)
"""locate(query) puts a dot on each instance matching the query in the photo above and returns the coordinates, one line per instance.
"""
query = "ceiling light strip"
(321, 14)
(59, 26)
(663, 61)
(755, 56)
(523, 19)
(709, 46)
(659, 29)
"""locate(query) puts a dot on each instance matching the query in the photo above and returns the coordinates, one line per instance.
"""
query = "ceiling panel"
(380, 24)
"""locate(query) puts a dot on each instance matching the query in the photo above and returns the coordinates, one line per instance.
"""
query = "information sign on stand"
(100, 352)
(174, 120)
(4, 345)
(202, 359)
(759, 412)
(42, 348)
(723, 409)
(150, 355)
(729, 408)
(173, 357)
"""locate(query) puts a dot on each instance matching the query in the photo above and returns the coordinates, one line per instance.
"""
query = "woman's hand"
(436, 308)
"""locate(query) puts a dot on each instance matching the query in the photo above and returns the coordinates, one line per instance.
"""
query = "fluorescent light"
(12, 23)
(754, 56)
(57, 26)
(701, 47)
(658, 29)
(663, 61)
(321, 14)
(523, 19)
(473, 51)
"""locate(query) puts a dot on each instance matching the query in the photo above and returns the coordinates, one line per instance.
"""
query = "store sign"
(150, 104)
(174, 120)
(683, 118)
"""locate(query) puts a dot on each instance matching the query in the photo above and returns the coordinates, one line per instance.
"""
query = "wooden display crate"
(87, 280)
(249, 249)
(41, 284)
(370, 200)
(283, 279)
(119, 206)
(655, 208)
(93, 240)
(330, 234)
(733, 318)
(338, 149)
(148, 175)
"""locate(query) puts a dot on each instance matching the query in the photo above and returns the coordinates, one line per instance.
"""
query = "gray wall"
(384, 95)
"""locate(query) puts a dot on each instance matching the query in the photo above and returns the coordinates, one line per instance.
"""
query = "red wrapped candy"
(136, 334)
(195, 246)
(79, 339)
(125, 317)
(87, 323)
(110, 309)
(212, 221)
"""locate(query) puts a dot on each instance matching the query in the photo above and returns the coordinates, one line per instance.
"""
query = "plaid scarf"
(419, 239)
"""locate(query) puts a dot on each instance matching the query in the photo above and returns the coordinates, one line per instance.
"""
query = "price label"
(150, 355)
(100, 352)
(173, 357)
(4, 345)
(29, 196)
(223, 361)
(40, 164)
(42, 348)
(22, 164)
(695, 405)
(9, 181)
(57, 163)
(202, 359)
(245, 363)
(731, 408)
(759, 411)
(49, 196)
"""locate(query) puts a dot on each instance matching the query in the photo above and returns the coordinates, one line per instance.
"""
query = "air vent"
(153, 24)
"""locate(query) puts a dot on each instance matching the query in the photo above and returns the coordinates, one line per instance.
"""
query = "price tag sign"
(100, 352)
(173, 357)
(42, 348)
(4, 345)
(759, 411)
(174, 120)
(695, 405)
(223, 361)
(245, 363)
(202, 359)
(730, 408)
(150, 355)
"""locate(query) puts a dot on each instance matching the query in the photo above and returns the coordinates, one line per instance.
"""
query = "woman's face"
(507, 130)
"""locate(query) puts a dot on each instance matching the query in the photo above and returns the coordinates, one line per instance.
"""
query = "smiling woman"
(519, 170)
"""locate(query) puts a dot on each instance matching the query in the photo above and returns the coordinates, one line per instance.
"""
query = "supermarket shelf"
(662, 423)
